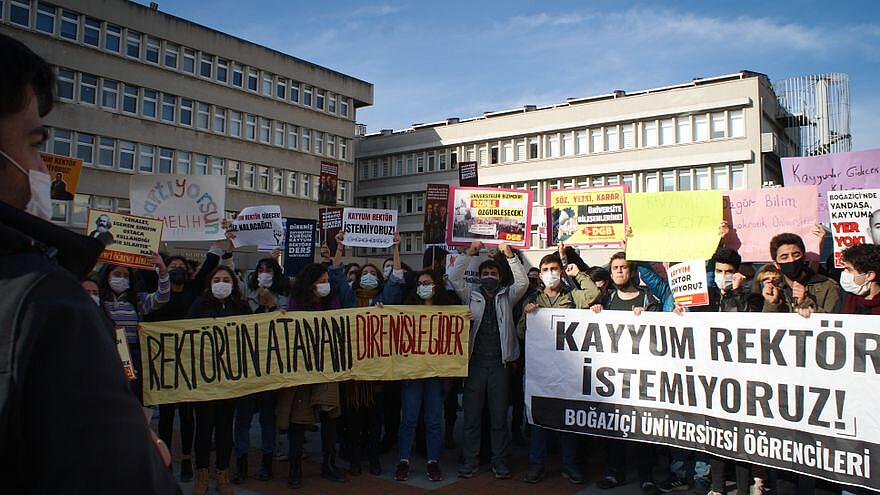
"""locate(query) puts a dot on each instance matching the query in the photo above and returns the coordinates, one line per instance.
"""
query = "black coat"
(209, 307)
(68, 420)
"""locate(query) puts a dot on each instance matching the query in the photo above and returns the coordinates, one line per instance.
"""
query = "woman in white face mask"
(126, 304)
(861, 267)
(267, 287)
(222, 298)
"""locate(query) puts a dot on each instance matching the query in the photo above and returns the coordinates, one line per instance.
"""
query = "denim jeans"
(415, 394)
(245, 408)
(538, 446)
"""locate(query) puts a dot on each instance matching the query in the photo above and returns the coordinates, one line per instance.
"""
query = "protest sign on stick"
(124, 355)
(467, 174)
(777, 389)
(855, 219)
(673, 226)
(689, 284)
(330, 224)
(489, 215)
(260, 226)
(129, 240)
(365, 227)
(64, 172)
(223, 358)
(327, 183)
(299, 245)
(191, 206)
(587, 216)
(436, 204)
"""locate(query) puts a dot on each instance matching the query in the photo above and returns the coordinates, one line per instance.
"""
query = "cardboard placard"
(328, 183)
(467, 174)
(587, 216)
(436, 204)
(855, 219)
(260, 226)
(367, 227)
(490, 215)
(64, 173)
(191, 206)
(129, 240)
(689, 283)
(673, 226)
(299, 244)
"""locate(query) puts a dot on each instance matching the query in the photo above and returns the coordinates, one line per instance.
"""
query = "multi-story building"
(711, 133)
(144, 92)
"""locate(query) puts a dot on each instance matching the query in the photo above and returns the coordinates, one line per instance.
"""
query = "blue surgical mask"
(369, 281)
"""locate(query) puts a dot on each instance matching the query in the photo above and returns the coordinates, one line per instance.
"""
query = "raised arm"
(456, 276)
(152, 300)
(336, 273)
(520, 277)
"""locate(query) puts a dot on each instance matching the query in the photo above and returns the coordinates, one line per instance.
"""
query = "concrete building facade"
(711, 133)
(142, 92)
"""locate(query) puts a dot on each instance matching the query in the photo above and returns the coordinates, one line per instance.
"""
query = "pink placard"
(756, 215)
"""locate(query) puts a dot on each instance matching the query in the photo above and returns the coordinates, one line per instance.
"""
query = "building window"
(186, 109)
(235, 123)
(306, 186)
(45, 15)
(667, 180)
(265, 126)
(237, 74)
(61, 142)
(189, 60)
(319, 142)
(331, 103)
(292, 136)
(343, 148)
(218, 166)
(145, 162)
(249, 176)
(596, 144)
(267, 84)
(183, 161)
(20, 13)
(65, 84)
(737, 177)
(281, 88)
(567, 144)
(651, 182)
(684, 180)
(69, 25)
(112, 38)
(203, 116)
(168, 104)
(331, 145)
(250, 127)
(493, 155)
(409, 165)
(307, 95)
(206, 67)
(109, 93)
(166, 158)
(264, 178)
(683, 129)
(441, 161)
(736, 123)
(201, 164)
(278, 134)
(294, 91)
(220, 120)
(92, 32)
(291, 184)
(232, 174)
(85, 147)
(667, 132)
(718, 125)
(88, 88)
(222, 70)
(649, 133)
(343, 192)
(126, 155)
(148, 105)
(702, 179)
(611, 138)
(171, 51)
(319, 99)
(133, 44)
(252, 80)
(307, 140)
(106, 151)
(343, 106)
(701, 128)
(277, 181)
(152, 54)
(628, 135)
(719, 178)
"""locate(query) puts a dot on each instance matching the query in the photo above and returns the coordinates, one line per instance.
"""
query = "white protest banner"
(365, 227)
(855, 219)
(471, 273)
(775, 389)
(191, 206)
(689, 284)
(260, 226)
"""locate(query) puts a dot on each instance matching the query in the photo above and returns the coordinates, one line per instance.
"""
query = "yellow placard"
(129, 240)
(222, 358)
(64, 172)
(673, 226)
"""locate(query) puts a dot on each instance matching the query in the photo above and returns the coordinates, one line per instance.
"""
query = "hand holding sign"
(160, 263)
(770, 293)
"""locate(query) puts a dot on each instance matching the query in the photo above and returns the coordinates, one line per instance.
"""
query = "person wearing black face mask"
(802, 290)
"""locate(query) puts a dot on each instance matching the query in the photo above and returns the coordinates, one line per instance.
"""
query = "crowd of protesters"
(63, 395)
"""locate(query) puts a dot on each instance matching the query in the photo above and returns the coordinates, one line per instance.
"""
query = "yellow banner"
(222, 358)
(673, 226)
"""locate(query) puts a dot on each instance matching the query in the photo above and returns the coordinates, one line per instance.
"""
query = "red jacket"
(859, 305)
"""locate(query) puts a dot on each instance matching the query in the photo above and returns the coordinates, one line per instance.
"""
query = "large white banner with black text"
(779, 390)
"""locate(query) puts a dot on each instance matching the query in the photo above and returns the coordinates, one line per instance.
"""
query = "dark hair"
(488, 264)
(302, 285)
(533, 268)
(864, 257)
(440, 298)
(597, 273)
(572, 256)
(787, 238)
(550, 258)
(23, 69)
(279, 285)
(631, 265)
(379, 275)
(236, 290)
(727, 256)
(129, 294)
(169, 259)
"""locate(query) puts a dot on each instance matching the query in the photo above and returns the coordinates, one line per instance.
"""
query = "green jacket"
(571, 299)
(822, 295)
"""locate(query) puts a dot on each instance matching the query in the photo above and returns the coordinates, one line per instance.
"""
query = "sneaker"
(535, 473)
(649, 488)
(573, 475)
(402, 471)
(434, 473)
(674, 484)
(713, 492)
(467, 471)
(501, 471)
(610, 481)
